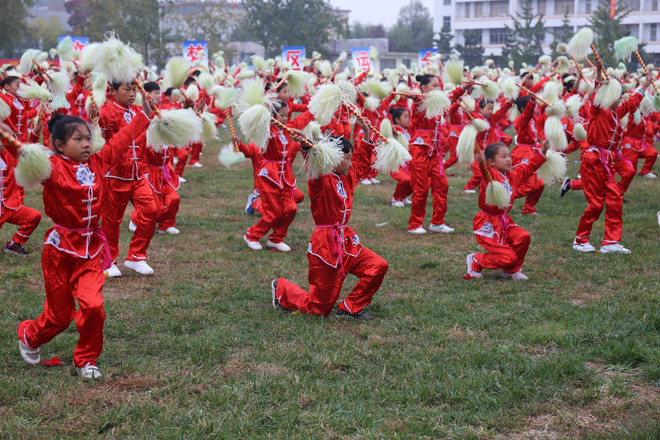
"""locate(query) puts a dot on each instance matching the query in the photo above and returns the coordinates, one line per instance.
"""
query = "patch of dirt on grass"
(538, 350)
(460, 334)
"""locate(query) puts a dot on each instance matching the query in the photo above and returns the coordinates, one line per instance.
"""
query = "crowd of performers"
(91, 179)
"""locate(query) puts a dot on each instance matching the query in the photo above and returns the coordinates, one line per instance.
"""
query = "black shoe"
(360, 315)
(276, 303)
(565, 187)
(15, 248)
(624, 200)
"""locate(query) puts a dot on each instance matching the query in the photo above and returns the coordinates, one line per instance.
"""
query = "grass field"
(197, 351)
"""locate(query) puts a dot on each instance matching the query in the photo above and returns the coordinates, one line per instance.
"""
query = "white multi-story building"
(490, 17)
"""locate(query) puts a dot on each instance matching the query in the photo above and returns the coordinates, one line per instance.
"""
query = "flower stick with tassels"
(33, 162)
(600, 61)
(230, 154)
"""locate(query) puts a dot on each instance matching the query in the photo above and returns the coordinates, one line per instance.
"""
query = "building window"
(498, 36)
(633, 29)
(655, 5)
(446, 22)
(387, 64)
(406, 62)
(541, 6)
(654, 32)
(447, 2)
(479, 10)
(499, 9)
(587, 7)
(562, 6)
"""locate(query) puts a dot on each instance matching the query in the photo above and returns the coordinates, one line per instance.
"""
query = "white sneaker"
(175, 161)
(182, 180)
(649, 175)
(579, 176)
(417, 231)
(583, 247)
(365, 182)
(196, 165)
(113, 272)
(140, 267)
(397, 203)
(374, 181)
(254, 245)
(282, 247)
(613, 248)
(132, 226)
(514, 276)
(407, 201)
(30, 355)
(171, 230)
(89, 372)
(470, 272)
(658, 214)
(443, 228)
(470, 191)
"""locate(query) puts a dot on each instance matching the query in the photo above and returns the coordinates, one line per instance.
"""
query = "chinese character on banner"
(361, 58)
(197, 52)
(79, 43)
(294, 55)
(425, 57)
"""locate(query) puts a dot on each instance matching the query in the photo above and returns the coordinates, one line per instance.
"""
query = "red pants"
(66, 279)
(475, 180)
(167, 206)
(508, 256)
(325, 284)
(195, 151)
(622, 168)
(27, 218)
(182, 156)
(601, 192)
(403, 188)
(649, 154)
(427, 171)
(532, 189)
(278, 209)
(116, 194)
(450, 144)
(298, 196)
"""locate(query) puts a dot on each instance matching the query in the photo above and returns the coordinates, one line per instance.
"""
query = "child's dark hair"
(524, 75)
(151, 86)
(491, 150)
(62, 127)
(345, 144)
(484, 101)
(117, 84)
(521, 103)
(188, 81)
(9, 80)
(396, 113)
(169, 91)
(424, 79)
(278, 104)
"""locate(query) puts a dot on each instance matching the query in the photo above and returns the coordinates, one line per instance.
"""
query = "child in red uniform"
(276, 183)
(126, 181)
(506, 242)
(401, 120)
(73, 248)
(334, 249)
(604, 135)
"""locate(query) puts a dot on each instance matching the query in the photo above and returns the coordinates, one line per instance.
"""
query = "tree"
(472, 51)
(564, 34)
(607, 30)
(377, 31)
(413, 29)
(13, 24)
(443, 42)
(277, 23)
(45, 33)
(527, 35)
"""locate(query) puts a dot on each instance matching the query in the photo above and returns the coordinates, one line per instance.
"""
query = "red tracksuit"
(636, 144)
(485, 138)
(598, 170)
(456, 121)
(277, 183)
(20, 115)
(126, 180)
(334, 249)
(403, 188)
(495, 231)
(12, 210)
(426, 168)
(526, 148)
(77, 97)
(165, 184)
(73, 249)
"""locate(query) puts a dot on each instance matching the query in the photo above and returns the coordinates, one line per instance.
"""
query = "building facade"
(491, 16)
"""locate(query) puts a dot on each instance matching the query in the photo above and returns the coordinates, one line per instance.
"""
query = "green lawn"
(197, 351)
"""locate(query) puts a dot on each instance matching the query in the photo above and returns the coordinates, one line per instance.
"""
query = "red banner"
(612, 8)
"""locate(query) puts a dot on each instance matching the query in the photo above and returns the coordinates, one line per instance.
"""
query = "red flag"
(612, 8)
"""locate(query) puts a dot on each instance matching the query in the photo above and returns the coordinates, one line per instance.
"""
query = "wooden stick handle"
(282, 81)
(231, 128)
(466, 109)
(421, 95)
(9, 138)
(577, 66)
(641, 61)
(355, 113)
(291, 132)
(600, 61)
(40, 69)
(144, 92)
(532, 93)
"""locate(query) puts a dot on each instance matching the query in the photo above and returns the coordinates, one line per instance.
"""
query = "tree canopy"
(413, 29)
(13, 24)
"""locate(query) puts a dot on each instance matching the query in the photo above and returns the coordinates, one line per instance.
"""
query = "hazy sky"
(376, 11)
